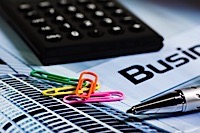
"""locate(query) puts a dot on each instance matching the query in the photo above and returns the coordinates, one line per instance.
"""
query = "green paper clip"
(54, 77)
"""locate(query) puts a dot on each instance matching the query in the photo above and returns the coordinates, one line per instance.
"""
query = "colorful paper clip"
(96, 97)
(55, 78)
(92, 83)
(66, 90)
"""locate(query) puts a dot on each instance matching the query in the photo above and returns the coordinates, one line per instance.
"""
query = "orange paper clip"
(93, 83)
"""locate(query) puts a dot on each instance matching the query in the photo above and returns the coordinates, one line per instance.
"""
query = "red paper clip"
(96, 97)
(93, 84)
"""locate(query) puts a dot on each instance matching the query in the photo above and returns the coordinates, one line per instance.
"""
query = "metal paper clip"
(66, 90)
(92, 84)
(96, 97)
(55, 78)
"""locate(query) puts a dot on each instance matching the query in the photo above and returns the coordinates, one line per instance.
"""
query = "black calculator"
(64, 31)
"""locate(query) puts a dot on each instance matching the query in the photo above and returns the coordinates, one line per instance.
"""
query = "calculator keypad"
(83, 12)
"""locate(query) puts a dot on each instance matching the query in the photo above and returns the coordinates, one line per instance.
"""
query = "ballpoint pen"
(182, 100)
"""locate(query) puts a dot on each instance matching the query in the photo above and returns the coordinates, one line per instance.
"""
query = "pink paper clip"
(96, 97)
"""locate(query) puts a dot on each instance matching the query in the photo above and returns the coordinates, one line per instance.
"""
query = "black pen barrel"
(171, 102)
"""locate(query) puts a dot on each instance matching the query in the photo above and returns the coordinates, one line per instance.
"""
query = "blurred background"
(168, 17)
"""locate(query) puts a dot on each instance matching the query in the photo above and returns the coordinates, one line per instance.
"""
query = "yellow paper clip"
(66, 90)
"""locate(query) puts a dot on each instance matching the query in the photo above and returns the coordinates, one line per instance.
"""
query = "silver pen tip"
(131, 110)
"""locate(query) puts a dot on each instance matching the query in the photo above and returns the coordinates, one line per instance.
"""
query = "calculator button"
(44, 4)
(38, 22)
(91, 7)
(79, 16)
(46, 29)
(71, 9)
(110, 5)
(116, 30)
(99, 14)
(74, 35)
(66, 27)
(59, 19)
(127, 20)
(107, 21)
(136, 27)
(51, 12)
(95, 33)
(25, 7)
(32, 15)
(119, 12)
(64, 2)
(83, 1)
(53, 37)
(87, 24)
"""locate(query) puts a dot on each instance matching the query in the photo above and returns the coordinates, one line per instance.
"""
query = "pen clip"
(66, 90)
(96, 97)
(54, 77)
(92, 82)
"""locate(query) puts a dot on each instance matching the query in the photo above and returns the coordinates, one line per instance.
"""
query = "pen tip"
(132, 110)
(129, 111)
